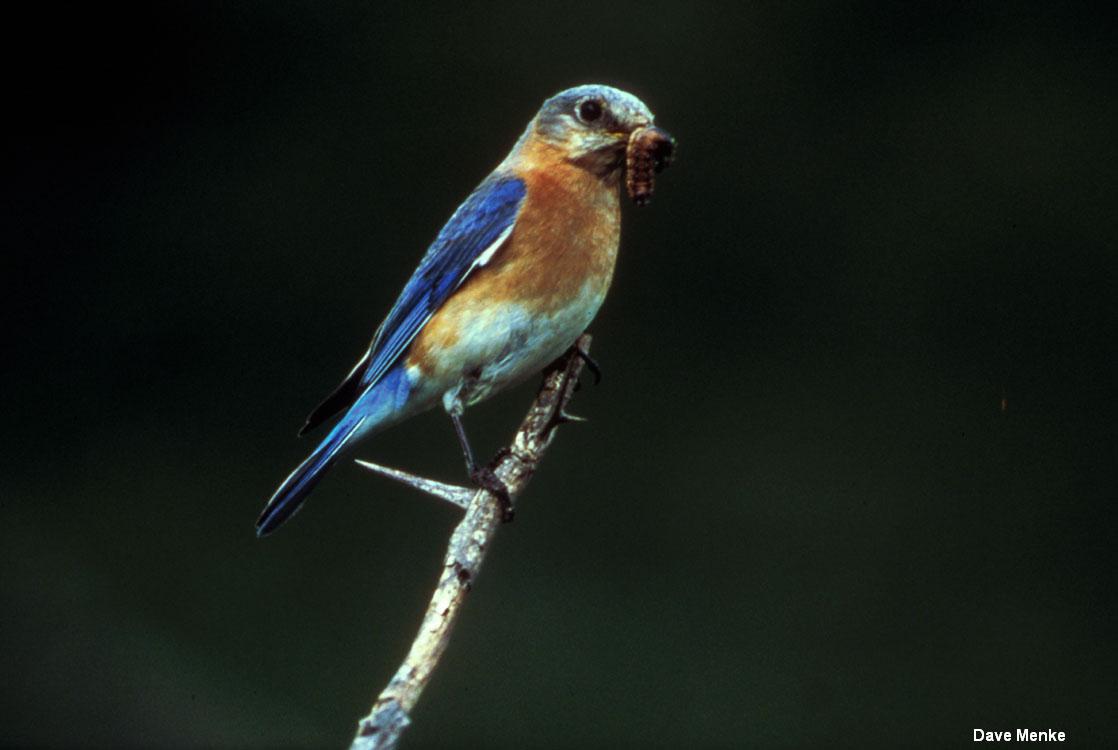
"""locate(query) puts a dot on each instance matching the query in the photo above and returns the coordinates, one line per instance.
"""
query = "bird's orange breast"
(565, 236)
(561, 253)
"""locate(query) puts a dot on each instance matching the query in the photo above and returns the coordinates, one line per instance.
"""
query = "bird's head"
(591, 124)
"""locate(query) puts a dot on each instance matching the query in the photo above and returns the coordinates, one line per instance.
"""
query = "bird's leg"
(467, 452)
(482, 476)
(590, 362)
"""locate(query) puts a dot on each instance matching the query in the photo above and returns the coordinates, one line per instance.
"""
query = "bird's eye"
(589, 110)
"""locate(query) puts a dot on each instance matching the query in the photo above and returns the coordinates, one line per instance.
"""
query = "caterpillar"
(649, 151)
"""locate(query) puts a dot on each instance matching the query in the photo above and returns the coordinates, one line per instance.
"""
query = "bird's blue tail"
(294, 490)
(377, 407)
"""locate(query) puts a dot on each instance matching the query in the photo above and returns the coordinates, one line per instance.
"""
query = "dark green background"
(800, 514)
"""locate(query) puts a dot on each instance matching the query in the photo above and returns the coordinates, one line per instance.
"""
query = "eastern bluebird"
(509, 284)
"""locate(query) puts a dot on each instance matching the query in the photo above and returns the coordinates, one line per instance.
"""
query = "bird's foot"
(485, 478)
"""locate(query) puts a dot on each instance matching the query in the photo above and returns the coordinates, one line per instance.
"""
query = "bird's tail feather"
(294, 490)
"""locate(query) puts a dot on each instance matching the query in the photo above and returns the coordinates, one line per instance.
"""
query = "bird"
(509, 284)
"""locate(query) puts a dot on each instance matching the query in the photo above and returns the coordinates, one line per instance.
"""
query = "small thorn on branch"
(562, 417)
(452, 493)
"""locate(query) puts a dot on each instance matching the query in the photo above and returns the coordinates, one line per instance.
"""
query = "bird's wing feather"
(475, 231)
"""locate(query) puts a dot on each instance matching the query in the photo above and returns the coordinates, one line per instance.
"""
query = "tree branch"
(390, 714)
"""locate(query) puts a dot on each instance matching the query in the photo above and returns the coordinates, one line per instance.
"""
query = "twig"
(452, 493)
(390, 714)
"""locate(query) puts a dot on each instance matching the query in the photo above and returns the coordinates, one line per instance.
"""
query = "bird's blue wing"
(475, 230)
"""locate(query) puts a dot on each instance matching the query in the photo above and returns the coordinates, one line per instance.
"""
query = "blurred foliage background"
(849, 478)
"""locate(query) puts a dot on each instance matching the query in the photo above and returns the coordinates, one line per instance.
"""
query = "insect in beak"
(649, 152)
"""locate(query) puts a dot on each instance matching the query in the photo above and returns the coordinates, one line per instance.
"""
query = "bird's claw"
(485, 478)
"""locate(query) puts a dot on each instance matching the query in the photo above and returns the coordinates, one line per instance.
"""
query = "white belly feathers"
(508, 342)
